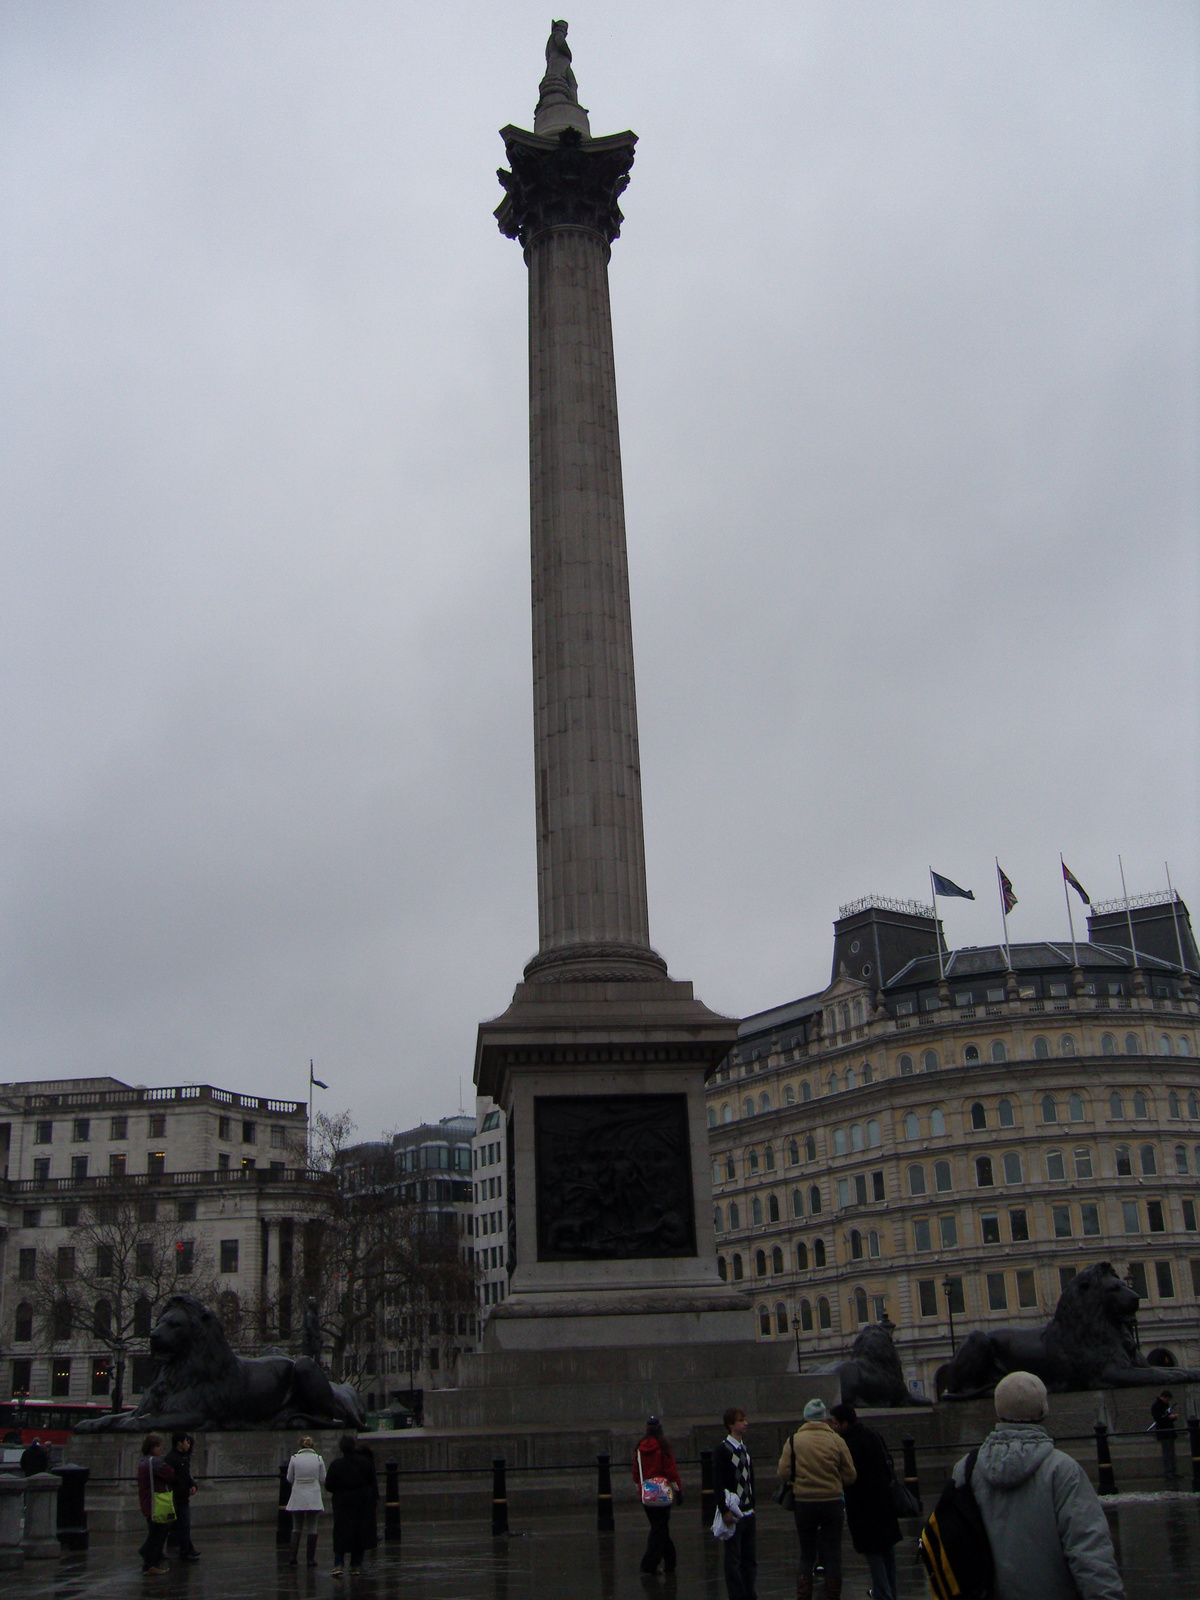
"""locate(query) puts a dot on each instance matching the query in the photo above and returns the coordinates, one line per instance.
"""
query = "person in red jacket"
(654, 1458)
(152, 1475)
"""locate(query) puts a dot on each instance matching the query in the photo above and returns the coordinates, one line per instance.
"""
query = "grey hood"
(1012, 1453)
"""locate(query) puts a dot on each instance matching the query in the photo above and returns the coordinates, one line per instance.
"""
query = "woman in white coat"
(306, 1474)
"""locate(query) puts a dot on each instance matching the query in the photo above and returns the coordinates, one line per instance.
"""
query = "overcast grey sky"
(906, 332)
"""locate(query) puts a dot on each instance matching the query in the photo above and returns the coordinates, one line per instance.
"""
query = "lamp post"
(796, 1331)
(947, 1284)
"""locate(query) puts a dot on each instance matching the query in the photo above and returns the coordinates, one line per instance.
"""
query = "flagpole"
(1175, 917)
(308, 1130)
(1003, 915)
(1070, 918)
(1128, 913)
(936, 935)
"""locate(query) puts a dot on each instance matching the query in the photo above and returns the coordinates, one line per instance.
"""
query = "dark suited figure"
(733, 1473)
(179, 1459)
(35, 1458)
(1164, 1414)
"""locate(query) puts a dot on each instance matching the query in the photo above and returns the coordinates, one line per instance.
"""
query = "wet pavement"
(559, 1555)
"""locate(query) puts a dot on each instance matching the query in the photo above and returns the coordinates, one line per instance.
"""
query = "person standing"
(654, 1458)
(1165, 1416)
(733, 1480)
(306, 1474)
(153, 1476)
(1044, 1521)
(870, 1510)
(179, 1459)
(371, 1541)
(349, 1481)
(817, 1464)
(35, 1458)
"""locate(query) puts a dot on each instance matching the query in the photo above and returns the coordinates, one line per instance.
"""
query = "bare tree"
(109, 1280)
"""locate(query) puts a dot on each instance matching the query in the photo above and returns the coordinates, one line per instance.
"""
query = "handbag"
(785, 1496)
(904, 1502)
(655, 1491)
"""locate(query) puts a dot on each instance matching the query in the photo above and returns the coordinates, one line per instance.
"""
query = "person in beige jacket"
(817, 1464)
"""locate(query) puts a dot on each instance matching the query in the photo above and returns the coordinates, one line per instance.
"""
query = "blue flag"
(943, 886)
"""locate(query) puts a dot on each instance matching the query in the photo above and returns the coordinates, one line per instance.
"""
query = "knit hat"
(815, 1411)
(1021, 1397)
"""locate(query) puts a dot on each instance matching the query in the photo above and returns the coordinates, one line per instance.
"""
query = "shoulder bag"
(162, 1501)
(655, 1491)
(785, 1495)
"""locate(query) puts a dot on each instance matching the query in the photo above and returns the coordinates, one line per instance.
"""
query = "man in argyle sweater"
(733, 1475)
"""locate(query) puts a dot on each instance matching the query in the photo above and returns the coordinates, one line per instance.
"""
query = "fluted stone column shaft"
(591, 857)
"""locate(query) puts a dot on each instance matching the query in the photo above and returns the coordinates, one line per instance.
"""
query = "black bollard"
(499, 1499)
(911, 1481)
(72, 1511)
(708, 1500)
(391, 1505)
(283, 1517)
(1108, 1480)
(1193, 1428)
(604, 1505)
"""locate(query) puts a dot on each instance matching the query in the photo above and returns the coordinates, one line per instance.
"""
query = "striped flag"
(1069, 877)
(1006, 889)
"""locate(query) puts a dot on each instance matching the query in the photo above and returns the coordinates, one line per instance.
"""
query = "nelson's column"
(601, 1058)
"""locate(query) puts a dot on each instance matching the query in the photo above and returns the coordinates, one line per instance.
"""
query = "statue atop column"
(312, 1331)
(558, 94)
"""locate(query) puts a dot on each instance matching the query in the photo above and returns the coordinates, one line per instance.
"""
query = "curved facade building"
(947, 1150)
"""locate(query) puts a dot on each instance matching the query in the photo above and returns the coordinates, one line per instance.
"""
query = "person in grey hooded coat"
(1048, 1533)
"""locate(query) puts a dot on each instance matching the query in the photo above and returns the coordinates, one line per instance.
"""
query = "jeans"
(659, 1546)
(156, 1538)
(741, 1560)
(1166, 1438)
(180, 1531)
(882, 1566)
(820, 1521)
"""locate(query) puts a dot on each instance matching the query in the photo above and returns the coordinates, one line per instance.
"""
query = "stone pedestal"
(12, 1522)
(40, 1539)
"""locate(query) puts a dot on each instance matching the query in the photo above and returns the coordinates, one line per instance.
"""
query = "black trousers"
(179, 1532)
(819, 1524)
(156, 1539)
(741, 1560)
(659, 1546)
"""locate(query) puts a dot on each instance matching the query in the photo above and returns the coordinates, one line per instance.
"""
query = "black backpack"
(954, 1544)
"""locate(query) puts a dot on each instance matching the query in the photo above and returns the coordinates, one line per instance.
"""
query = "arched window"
(858, 1013)
(832, 1085)
(867, 1072)
(971, 1055)
(62, 1322)
(730, 1166)
(1131, 1044)
(806, 1321)
(1005, 1110)
(1116, 1106)
(23, 1327)
(1185, 1048)
(1123, 1161)
(839, 1141)
(789, 1095)
(916, 1180)
(851, 1078)
(797, 1203)
(142, 1317)
(1148, 1161)
(912, 1126)
(756, 1212)
(1194, 1105)
(937, 1123)
(930, 1061)
(999, 1053)
(818, 1253)
(983, 1172)
(1041, 1049)
(722, 1269)
(1012, 1166)
(856, 1245)
(773, 1208)
(856, 1136)
(1181, 1165)
(748, 1106)
(1066, 1045)
(764, 1102)
(873, 1243)
(764, 1321)
(806, 1090)
(738, 1270)
(1075, 1107)
(810, 1148)
(874, 1134)
(716, 1172)
(1164, 1045)
(760, 1263)
(718, 1222)
(793, 1152)
(943, 1178)
(781, 1323)
(906, 1066)
(726, 1113)
(1108, 1045)
(861, 1314)
(814, 1201)
(1174, 1108)
(824, 1319)
(777, 1259)
(978, 1115)
(801, 1257)
(1141, 1107)
(712, 1116)
(845, 1018)
(752, 1160)
(1049, 1109)
(735, 1220)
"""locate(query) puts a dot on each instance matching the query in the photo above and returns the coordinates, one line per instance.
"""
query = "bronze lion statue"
(873, 1375)
(200, 1383)
(1089, 1343)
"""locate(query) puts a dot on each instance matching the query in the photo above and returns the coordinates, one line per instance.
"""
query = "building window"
(937, 1122)
(738, 1269)
(81, 1130)
(1129, 1216)
(43, 1133)
(942, 1178)
(818, 1253)
(983, 1172)
(922, 1239)
(789, 1095)
(735, 1218)
(1005, 1111)
(1012, 1166)
(1181, 1160)
(23, 1325)
(1164, 1280)
(1061, 1216)
(101, 1375)
(927, 1297)
(1131, 1044)
(1141, 1107)
(1018, 1226)
(722, 1269)
(1041, 1050)
(814, 1201)
(60, 1377)
(1049, 1108)
(802, 1257)
(249, 1133)
(1055, 1170)
(793, 1152)
(760, 1265)
(1174, 1107)
(1026, 1290)
(810, 1148)
(912, 1126)
(824, 1318)
(752, 1160)
(79, 1168)
(756, 1212)
(62, 1321)
(948, 1229)
(861, 1310)
(22, 1378)
(764, 1102)
(41, 1169)
(999, 1053)
(1065, 1277)
(1124, 1161)
(773, 1208)
(1083, 1163)
(776, 1259)
(997, 1294)
(748, 1106)
(717, 1223)
(1195, 1267)
(1090, 1218)
(229, 1255)
(1137, 1280)
(856, 1245)
(730, 1168)
(806, 1316)
(118, 1128)
(1189, 1215)
(877, 1188)
(989, 1227)
(916, 1180)
(156, 1163)
(1148, 1161)
(843, 1192)
(905, 1064)
(978, 1115)
(929, 1061)
(1154, 1215)
(1116, 1106)
(797, 1203)
(158, 1125)
(1066, 1045)
(1108, 1045)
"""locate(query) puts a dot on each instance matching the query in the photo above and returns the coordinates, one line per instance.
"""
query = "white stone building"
(490, 1212)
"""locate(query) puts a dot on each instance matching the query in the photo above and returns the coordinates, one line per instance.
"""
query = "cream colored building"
(909, 1144)
(228, 1169)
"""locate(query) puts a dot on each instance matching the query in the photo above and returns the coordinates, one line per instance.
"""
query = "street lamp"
(796, 1331)
(947, 1285)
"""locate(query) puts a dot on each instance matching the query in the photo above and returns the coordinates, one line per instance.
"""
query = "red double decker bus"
(51, 1421)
